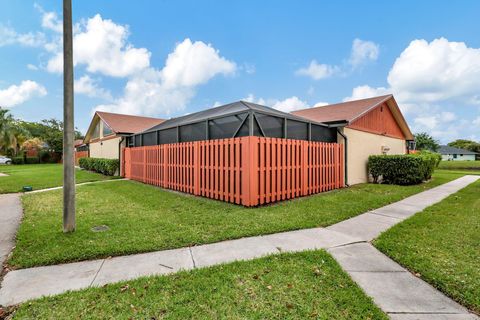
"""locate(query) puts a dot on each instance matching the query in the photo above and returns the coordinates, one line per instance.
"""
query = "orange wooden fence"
(80, 154)
(248, 170)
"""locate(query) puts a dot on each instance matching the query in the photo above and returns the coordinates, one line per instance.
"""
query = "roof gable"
(353, 111)
(122, 123)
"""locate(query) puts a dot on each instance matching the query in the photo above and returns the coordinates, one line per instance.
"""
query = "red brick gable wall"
(379, 120)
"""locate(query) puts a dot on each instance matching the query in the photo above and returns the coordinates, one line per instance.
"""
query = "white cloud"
(320, 104)
(88, 86)
(290, 104)
(191, 64)
(363, 51)
(8, 36)
(18, 94)
(476, 122)
(169, 90)
(101, 45)
(249, 68)
(365, 91)
(317, 71)
(433, 72)
(436, 71)
(447, 116)
(426, 78)
(50, 20)
(32, 67)
(286, 105)
(429, 122)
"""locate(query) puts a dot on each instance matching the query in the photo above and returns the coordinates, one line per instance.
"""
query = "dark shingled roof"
(228, 109)
(453, 150)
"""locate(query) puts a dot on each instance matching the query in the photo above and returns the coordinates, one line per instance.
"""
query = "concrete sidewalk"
(394, 289)
(10, 216)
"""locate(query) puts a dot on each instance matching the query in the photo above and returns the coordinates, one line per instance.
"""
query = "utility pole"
(68, 126)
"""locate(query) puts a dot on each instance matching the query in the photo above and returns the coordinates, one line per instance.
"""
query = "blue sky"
(168, 58)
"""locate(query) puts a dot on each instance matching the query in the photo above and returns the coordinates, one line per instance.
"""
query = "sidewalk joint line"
(96, 274)
(384, 215)
(191, 255)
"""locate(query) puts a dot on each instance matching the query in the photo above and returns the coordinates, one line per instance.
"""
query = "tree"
(465, 144)
(33, 143)
(12, 134)
(50, 131)
(424, 141)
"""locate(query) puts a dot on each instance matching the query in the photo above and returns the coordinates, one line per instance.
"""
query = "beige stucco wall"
(363, 144)
(105, 149)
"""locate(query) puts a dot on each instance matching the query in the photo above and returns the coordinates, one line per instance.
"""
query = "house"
(456, 154)
(241, 152)
(107, 131)
(367, 127)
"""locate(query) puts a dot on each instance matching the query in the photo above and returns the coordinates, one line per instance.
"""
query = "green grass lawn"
(288, 286)
(465, 165)
(39, 176)
(442, 244)
(144, 218)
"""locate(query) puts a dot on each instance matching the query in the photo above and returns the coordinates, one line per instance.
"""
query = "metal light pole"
(68, 126)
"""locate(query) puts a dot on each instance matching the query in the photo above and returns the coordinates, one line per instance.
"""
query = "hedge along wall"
(403, 169)
(248, 170)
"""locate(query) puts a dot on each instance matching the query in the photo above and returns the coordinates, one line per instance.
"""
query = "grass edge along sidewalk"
(143, 218)
(301, 285)
(441, 245)
(40, 176)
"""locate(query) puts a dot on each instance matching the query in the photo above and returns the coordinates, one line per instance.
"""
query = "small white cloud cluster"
(168, 90)
(286, 105)
(18, 94)
(8, 36)
(362, 52)
(428, 75)
(102, 47)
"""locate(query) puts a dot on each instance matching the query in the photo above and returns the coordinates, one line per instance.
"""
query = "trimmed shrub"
(18, 160)
(402, 169)
(32, 160)
(104, 166)
(45, 157)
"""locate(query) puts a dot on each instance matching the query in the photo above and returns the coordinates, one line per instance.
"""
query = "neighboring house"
(369, 126)
(456, 154)
(107, 131)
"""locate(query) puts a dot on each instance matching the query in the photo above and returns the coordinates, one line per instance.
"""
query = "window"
(454, 156)
(193, 132)
(96, 131)
(106, 130)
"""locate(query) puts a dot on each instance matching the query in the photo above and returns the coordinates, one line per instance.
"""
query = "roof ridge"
(345, 102)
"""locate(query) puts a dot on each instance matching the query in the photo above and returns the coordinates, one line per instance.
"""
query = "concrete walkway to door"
(395, 290)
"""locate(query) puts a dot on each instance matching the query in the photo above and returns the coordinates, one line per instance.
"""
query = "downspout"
(120, 154)
(346, 155)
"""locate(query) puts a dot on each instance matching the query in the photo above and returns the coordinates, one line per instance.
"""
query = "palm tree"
(12, 135)
(7, 139)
